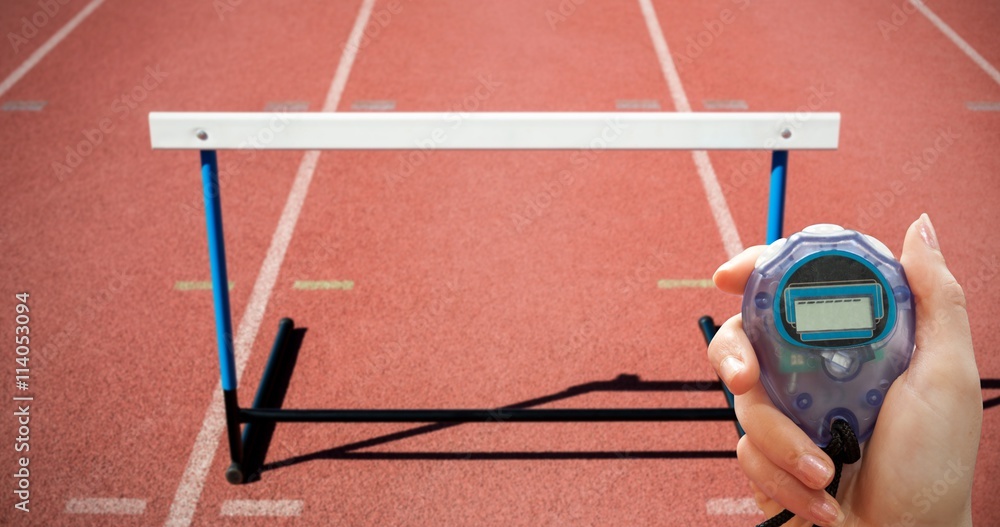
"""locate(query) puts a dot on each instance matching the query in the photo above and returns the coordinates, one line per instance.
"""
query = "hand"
(917, 467)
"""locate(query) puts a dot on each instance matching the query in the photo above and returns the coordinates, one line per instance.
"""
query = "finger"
(731, 276)
(776, 483)
(772, 508)
(781, 441)
(732, 356)
(944, 358)
(764, 502)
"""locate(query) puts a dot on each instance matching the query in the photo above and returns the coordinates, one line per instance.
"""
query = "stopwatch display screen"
(833, 300)
(834, 314)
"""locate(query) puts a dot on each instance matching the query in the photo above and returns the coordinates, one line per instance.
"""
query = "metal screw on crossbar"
(786, 133)
(201, 134)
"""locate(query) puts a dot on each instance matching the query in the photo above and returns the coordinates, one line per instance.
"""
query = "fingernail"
(814, 470)
(927, 231)
(729, 367)
(827, 511)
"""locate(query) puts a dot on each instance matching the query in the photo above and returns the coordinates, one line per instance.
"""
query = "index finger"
(732, 276)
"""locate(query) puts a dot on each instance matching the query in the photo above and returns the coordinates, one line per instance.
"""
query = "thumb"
(943, 358)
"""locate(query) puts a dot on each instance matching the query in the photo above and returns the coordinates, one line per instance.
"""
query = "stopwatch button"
(769, 253)
(823, 228)
(880, 247)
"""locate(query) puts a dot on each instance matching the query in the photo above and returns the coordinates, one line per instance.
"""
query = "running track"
(479, 279)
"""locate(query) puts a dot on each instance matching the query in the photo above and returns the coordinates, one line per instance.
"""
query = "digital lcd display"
(834, 314)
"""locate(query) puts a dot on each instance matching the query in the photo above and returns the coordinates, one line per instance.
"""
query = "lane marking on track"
(128, 506)
(45, 48)
(732, 506)
(674, 284)
(198, 286)
(313, 285)
(725, 104)
(716, 199)
(286, 106)
(24, 106)
(983, 106)
(957, 40)
(261, 508)
(373, 106)
(637, 104)
(192, 482)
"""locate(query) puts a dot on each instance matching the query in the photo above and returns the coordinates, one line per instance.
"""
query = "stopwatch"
(830, 316)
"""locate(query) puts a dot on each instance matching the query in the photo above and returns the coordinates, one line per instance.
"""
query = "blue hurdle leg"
(220, 298)
(776, 201)
(775, 225)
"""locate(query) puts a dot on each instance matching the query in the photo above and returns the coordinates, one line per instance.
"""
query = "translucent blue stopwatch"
(830, 316)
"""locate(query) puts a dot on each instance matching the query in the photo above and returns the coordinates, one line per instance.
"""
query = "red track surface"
(481, 279)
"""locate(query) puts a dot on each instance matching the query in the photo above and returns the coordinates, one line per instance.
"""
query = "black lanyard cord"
(843, 448)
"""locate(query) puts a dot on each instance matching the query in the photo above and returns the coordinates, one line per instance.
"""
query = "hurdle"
(209, 132)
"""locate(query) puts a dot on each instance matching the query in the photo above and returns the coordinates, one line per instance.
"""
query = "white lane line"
(983, 106)
(261, 508)
(49, 44)
(959, 41)
(668, 283)
(637, 104)
(716, 199)
(24, 106)
(287, 106)
(314, 285)
(725, 104)
(106, 506)
(731, 506)
(193, 480)
(373, 105)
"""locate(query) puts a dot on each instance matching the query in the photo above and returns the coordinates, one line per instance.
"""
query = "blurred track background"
(446, 279)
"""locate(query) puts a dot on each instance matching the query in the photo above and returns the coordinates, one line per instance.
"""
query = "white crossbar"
(495, 131)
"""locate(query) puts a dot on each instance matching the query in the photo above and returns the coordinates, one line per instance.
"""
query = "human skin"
(917, 467)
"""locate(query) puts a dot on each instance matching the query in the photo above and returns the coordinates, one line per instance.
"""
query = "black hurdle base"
(247, 450)
(708, 330)
(257, 435)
